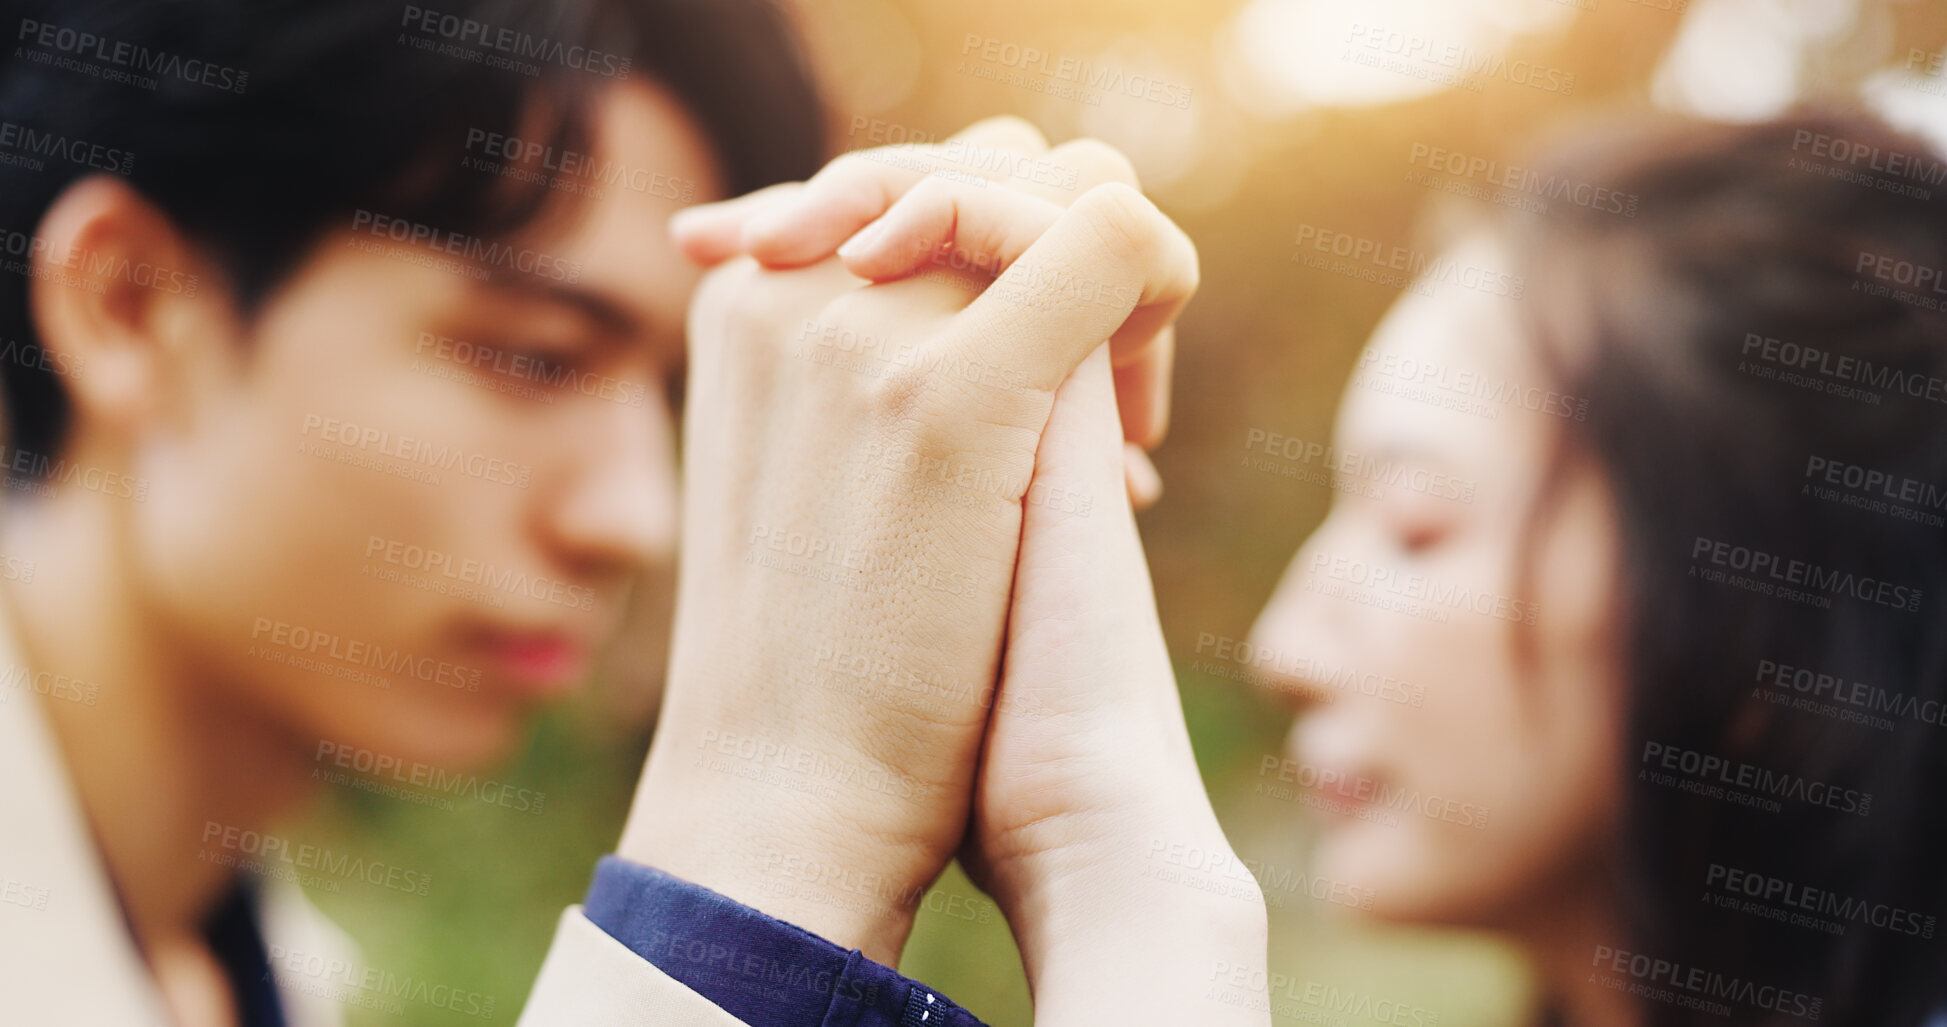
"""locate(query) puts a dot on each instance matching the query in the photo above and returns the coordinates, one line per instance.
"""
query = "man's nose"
(619, 505)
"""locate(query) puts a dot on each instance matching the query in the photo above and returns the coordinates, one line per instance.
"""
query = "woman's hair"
(1755, 319)
(257, 125)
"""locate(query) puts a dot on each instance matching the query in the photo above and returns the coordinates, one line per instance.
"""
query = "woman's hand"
(857, 459)
(1091, 826)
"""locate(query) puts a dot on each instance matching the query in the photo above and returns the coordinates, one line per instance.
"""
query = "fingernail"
(685, 220)
(771, 222)
(1145, 483)
(864, 239)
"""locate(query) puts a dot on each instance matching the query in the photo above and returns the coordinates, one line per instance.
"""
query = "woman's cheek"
(1461, 764)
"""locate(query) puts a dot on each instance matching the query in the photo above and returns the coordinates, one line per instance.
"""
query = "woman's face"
(1453, 783)
(405, 507)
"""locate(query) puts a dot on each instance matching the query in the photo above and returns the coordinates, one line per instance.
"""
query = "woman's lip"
(1334, 787)
(1338, 804)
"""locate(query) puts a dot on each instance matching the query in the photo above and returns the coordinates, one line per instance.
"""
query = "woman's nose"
(1284, 652)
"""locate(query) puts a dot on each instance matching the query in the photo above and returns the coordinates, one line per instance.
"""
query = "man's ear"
(120, 294)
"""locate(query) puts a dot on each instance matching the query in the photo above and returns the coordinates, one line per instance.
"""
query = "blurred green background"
(1263, 119)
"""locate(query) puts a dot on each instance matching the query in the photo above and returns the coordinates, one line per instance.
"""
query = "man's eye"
(529, 352)
(541, 362)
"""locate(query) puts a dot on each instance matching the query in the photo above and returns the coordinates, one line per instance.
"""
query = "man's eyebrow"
(608, 315)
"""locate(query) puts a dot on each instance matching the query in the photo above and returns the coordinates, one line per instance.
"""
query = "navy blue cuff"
(757, 968)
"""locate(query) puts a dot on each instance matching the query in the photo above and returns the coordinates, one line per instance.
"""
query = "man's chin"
(485, 734)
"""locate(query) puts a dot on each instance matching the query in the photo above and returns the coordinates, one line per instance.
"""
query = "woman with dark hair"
(1680, 642)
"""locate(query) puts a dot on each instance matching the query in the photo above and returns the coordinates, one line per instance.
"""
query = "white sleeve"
(592, 980)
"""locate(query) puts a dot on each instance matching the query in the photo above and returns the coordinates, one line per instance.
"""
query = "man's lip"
(538, 662)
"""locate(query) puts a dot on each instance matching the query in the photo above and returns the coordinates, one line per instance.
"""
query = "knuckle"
(933, 197)
(1096, 161)
(850, 165)
(849, 310)
(1187, 259)
(855, 180)
(903, 399)
(894, 393)
(1124, 217)
(930, 192)
(1014, 125)
(928, 213)
(730, 295)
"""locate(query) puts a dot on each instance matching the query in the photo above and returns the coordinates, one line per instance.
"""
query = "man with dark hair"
(296, 294)
(338, 344)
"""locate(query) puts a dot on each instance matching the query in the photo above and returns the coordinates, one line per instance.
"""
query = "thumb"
(1083, 602)
(1081, 480)
(1081, 586)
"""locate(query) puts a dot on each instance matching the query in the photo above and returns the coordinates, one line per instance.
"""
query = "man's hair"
(259, 125)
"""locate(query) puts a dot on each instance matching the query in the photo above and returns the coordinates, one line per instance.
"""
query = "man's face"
(407, 508)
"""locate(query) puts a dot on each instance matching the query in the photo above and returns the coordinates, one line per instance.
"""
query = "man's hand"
(857, 460)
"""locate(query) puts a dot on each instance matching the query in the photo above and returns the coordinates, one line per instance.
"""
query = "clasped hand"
(913, 615)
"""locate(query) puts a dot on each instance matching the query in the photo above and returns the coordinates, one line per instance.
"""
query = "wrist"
(1149, 951)
(1193, 914)
(740, 828)
(1152, 885)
